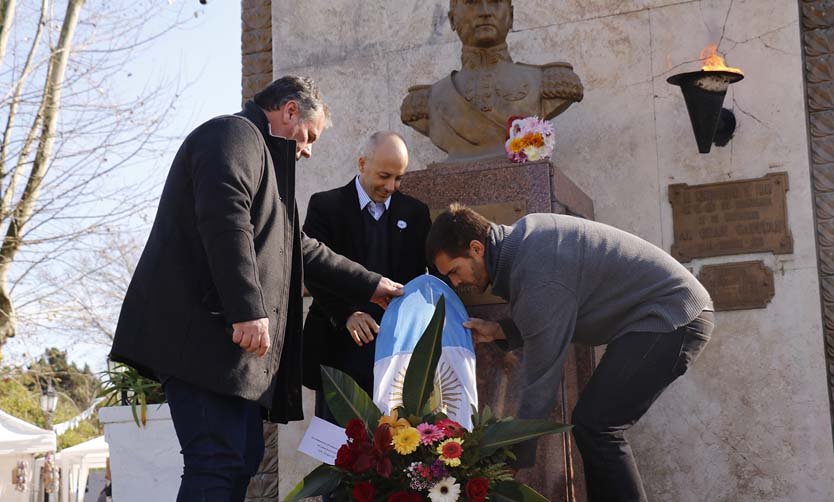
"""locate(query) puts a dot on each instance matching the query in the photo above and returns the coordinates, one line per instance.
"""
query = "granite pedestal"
(503, 192)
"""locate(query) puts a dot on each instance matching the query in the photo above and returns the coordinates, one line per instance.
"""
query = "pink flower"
(430, 433)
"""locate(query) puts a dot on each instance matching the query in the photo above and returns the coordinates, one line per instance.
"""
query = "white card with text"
(322, 440)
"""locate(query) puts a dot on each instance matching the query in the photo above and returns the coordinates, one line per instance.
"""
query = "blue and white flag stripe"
(403, 324)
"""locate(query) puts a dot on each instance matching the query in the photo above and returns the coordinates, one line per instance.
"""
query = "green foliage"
(21, 389)
(513, 491)
(18, 400)
(347, 400)
(80, 385)
(419, 376)
(86, 430)
(20, 393)
(509, 432)
(125, 383)
(322, 480)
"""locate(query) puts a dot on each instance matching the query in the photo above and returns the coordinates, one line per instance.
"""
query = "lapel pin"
(401, 224)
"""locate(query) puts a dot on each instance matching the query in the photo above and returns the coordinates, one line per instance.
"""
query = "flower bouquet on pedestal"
(529, 139)
(417, 453)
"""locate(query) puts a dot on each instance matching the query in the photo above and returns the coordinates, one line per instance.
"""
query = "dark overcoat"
(226, 246)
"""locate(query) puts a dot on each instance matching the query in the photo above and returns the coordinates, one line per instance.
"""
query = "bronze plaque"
(503, 213)
(731, 217)
(738, 286)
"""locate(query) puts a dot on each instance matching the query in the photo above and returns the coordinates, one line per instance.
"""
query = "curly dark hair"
(453, 230)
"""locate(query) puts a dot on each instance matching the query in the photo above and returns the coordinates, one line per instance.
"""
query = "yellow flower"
(393, 422)
(516, 145)
(406, 440)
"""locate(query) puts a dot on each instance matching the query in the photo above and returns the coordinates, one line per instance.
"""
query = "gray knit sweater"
(569, 279)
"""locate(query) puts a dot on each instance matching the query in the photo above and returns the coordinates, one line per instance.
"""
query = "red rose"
(405, 497)
(363, 492)
(384, 467)
(476, 489)
(356, 431)
(452, 428)
(345, 458)
(365, 457)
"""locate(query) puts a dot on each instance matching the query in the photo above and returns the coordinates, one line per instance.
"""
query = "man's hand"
(362, 328)
(385, 290)
(252, 336)
(484, 331)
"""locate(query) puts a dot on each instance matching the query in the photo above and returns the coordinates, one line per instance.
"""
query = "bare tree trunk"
(5, 201)
(23, 211)
(6, 18)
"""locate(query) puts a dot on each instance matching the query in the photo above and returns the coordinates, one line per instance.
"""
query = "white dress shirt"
(377, 209)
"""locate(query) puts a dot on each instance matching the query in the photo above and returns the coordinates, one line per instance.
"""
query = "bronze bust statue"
(466, 113)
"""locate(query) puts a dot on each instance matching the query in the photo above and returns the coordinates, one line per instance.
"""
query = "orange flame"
(714, 62)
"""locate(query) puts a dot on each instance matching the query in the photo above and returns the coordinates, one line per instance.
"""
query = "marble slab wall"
(751, 420)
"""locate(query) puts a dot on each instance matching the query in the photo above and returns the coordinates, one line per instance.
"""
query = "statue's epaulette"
(415, 104)
(560, 82)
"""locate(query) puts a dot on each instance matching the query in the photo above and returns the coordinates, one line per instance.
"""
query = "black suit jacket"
(334, 218)
(226, 247)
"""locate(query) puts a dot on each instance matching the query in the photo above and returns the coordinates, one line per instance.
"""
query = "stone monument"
(465, 115)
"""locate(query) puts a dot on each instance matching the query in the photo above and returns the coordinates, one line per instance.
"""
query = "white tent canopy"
(20, 441)
(75, 464)
(18, 437)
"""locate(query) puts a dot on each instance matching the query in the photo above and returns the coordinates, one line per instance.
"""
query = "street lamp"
(49, 401)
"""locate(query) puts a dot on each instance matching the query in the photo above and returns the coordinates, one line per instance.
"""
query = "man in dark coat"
(369, 221)
(214, 306)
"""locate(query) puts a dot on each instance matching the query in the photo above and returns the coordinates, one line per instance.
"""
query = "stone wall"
(818, 38)
(256, 46)
(751, 420)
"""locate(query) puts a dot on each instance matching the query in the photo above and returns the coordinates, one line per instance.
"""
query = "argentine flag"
(406, 318)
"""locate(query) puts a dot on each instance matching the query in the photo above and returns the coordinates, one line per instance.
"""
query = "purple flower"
(439, 470)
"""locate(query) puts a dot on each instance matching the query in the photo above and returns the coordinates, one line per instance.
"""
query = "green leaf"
(419, 377)
(513, 491)
(486, 416)
(347, 400)
(323, 480)
(501, 434)
(476, 418)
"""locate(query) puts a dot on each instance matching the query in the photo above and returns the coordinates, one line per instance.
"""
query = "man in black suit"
(369, 221)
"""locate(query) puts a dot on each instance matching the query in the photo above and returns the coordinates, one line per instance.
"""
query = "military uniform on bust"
(465, 114)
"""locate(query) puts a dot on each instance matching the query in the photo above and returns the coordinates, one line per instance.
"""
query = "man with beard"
(573, 280)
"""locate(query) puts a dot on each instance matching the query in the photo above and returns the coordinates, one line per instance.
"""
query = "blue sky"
(204, 54)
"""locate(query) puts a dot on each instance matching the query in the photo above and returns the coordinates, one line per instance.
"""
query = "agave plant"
(124, 385)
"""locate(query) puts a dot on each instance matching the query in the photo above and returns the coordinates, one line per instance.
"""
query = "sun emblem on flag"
(445, 397)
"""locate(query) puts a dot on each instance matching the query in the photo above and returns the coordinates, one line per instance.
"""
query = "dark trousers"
(221, 439)
(635, 369)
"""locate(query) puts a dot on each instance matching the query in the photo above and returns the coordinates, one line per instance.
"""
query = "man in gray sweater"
(573, 280)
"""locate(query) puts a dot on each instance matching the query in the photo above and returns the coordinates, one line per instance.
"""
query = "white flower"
(533, 153)
(446, 490)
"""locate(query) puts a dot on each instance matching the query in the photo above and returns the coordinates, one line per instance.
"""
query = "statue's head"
(481, 23)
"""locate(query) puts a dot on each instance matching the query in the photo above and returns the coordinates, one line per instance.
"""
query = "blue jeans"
(635, 370)
(221, 439)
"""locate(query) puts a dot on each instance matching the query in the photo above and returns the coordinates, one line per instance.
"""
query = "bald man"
(369, 221)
